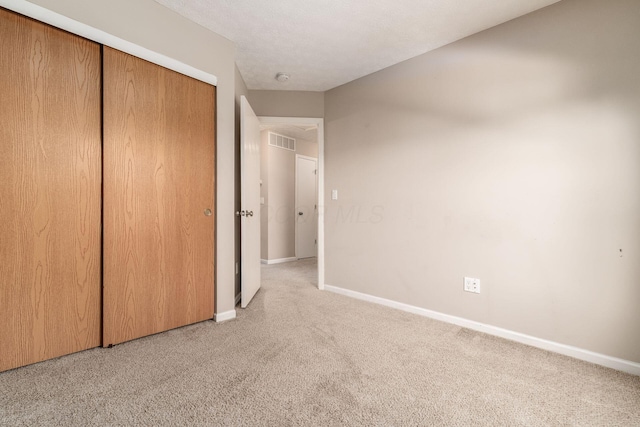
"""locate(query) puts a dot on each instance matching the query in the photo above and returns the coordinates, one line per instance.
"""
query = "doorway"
(293, 236)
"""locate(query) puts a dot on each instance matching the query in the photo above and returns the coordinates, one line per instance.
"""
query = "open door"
(250, 201)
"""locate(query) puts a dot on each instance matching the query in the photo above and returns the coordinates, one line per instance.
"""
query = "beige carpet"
(298, 356)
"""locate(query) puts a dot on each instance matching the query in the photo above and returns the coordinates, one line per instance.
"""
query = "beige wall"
(148, 24)
(278, 189)
(280, 210)
(279, 103)
(512, 156)
(264, 193)
(306, 148)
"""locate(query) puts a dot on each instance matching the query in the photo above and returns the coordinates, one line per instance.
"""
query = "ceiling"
(322, 44)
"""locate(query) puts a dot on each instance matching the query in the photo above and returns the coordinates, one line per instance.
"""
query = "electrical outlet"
(472, 285)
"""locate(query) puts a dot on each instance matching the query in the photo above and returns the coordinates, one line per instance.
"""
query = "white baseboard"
(567, 350)
(224, 316)
(277, 261)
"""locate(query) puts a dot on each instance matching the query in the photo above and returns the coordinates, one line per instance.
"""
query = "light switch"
(262, 200)
(334, 194)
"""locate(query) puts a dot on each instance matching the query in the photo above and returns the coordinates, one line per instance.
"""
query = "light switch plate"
(334, 194)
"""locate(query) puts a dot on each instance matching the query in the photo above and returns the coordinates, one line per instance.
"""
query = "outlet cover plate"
(472, 285)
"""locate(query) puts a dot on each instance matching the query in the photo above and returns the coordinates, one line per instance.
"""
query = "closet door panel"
(50, 172)
(159, 150)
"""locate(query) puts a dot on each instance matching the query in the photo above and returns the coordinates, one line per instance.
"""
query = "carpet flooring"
(298, 356)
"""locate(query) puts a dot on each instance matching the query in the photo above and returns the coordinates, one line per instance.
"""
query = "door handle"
(299, 213)
(241, 213)
(249, 213)
(207, 212)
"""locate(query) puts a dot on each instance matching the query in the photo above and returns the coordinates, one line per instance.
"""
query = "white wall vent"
(282, 141)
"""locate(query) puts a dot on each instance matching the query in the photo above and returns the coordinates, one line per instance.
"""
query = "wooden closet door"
(159, 150)
(50, 171)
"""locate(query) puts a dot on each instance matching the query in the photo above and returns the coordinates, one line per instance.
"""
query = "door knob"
(241, 213)
(299, 213)
(208, 212)
(250, 213)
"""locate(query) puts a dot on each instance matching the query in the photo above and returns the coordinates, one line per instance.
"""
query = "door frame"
(295, 200)
(319, 122)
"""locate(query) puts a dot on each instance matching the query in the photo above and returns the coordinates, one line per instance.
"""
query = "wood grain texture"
(50, 175)
(159, 160)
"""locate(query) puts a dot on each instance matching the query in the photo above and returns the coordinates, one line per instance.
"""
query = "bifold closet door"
(50, 144)
(159, 159)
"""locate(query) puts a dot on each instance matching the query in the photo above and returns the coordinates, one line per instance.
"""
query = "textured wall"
(512, 156)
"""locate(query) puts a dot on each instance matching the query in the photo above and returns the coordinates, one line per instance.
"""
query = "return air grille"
(282, 141)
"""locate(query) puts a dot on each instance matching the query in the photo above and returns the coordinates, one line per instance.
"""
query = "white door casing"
(306, 208)
(250, 202)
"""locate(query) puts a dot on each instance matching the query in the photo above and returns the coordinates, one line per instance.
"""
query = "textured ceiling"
(326, 43)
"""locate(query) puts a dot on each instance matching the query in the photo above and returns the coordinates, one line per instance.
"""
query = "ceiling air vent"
(282, 141)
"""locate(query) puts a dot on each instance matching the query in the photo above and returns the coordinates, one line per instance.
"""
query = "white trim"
(224, 316)
(567, 350)
(320, 123)
(277, 260)
(321, 205)
(315, 159)
(60, 21)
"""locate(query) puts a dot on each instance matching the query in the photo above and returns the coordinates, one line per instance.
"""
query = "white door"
(306, 206)
(250, 202)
